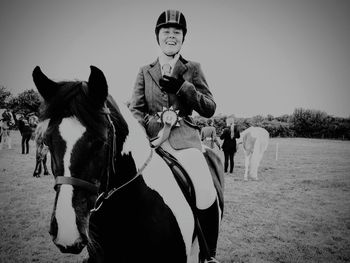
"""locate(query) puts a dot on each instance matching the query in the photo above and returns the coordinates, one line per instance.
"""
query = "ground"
(298, 211)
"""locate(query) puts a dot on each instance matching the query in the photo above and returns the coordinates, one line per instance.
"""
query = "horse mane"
(41, 129)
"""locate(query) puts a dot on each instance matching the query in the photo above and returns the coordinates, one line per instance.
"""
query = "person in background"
(208, 135)
(26, 132)
(172, 81)
(229, 145)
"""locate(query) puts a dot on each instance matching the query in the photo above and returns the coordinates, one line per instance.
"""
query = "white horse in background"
(254, 141)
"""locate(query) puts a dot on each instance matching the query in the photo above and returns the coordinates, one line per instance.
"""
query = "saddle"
(182, 178)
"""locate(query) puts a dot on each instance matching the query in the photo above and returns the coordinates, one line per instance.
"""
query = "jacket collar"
(156, 73)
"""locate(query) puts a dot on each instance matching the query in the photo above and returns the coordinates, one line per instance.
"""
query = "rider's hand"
(171, 84)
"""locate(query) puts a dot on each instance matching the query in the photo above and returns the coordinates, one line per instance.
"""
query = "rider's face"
(170, 40)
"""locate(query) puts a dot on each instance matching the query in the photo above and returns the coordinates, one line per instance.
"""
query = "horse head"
(87, 137)
(8, 118)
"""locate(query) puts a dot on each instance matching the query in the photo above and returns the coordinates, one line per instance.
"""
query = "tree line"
(25, 102)
(306, 123)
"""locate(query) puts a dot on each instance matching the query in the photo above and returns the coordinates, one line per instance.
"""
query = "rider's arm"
(197, 94)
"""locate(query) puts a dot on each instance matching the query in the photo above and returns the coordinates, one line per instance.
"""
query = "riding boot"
(209, 222)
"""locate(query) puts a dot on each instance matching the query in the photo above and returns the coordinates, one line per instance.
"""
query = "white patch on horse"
(136, 142)
(158, 177)
(71, 131)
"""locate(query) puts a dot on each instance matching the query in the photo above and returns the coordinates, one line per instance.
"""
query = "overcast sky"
(259, 56)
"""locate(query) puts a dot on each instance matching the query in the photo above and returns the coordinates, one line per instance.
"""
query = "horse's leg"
(246, 164)
(46, 171)
(37, 169)
(9, 142)
(255, 160)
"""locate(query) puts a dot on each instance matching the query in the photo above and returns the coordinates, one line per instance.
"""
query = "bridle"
(93, 188)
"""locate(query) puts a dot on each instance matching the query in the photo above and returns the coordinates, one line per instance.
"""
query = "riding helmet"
(171, 18)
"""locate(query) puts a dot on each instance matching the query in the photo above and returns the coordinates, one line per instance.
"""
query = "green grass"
(298, 211)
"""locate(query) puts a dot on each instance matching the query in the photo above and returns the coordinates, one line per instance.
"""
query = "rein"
(106, 195)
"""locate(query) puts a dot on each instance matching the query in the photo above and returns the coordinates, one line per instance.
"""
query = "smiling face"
(170, 40)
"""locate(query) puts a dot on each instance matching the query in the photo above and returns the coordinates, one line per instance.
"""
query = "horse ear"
(46, 87)
(98, 88)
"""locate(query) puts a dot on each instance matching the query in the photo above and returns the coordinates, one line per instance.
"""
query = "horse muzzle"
(67, 246)
(76, 248)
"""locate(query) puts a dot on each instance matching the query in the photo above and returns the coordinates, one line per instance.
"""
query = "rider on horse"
(179, 84)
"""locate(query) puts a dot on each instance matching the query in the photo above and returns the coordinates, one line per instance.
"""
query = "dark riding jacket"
(229, 144)
(148, 98)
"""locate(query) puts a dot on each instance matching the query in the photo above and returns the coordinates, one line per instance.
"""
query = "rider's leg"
(210, 220)
(197, 168)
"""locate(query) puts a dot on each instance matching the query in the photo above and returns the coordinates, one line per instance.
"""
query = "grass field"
(298, 211)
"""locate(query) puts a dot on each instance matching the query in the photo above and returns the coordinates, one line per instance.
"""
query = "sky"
(259, 56)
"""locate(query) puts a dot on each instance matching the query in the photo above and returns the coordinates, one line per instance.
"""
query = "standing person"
(229, 145)
(208, 135)
(172, 81)
(26, 132)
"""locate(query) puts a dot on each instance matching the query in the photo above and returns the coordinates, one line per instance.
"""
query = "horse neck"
(136, 143)
(132, 146)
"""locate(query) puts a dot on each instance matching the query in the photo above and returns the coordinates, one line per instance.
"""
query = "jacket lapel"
(180, 67)
(155, 72)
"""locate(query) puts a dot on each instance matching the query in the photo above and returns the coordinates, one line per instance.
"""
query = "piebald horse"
(254, 141)
(113, 192)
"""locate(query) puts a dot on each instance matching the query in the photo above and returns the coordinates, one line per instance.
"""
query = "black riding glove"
(171, 84)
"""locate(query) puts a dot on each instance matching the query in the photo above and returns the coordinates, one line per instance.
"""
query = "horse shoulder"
(158, 177)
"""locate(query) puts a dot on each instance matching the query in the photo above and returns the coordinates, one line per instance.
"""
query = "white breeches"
(197, 168)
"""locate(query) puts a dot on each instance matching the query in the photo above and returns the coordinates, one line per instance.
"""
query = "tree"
(5, 95)
(26, 102)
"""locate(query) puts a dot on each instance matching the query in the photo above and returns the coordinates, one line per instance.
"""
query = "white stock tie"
(166, 69)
